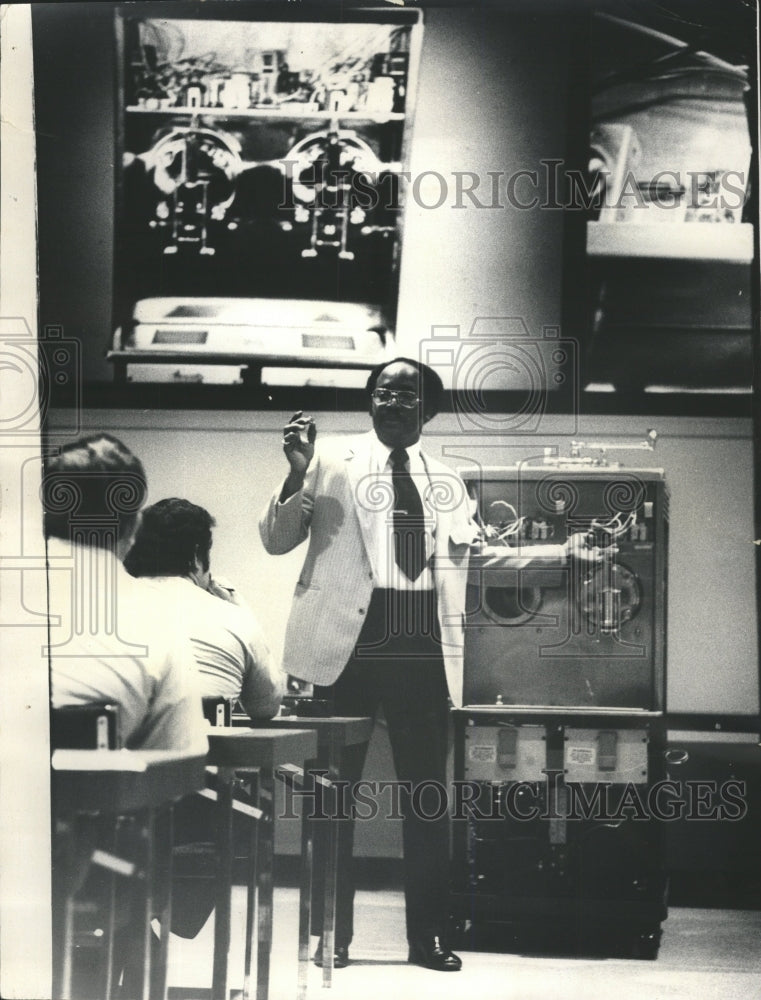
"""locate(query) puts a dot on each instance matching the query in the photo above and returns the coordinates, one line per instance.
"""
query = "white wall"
(491, 97)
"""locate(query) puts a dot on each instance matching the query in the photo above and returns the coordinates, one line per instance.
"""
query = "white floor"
(704, 955)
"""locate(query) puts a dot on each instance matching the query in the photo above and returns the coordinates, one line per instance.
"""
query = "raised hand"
(298, 445)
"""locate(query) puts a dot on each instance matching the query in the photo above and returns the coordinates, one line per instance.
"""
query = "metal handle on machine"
(676, 757)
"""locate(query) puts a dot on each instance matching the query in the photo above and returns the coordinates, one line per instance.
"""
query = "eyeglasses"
(403, 397)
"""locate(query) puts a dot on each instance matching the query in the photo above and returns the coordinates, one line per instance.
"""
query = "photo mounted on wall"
(670, 237)
(259, 205)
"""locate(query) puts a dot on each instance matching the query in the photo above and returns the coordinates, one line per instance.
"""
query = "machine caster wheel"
(646, 945)
(458, 933)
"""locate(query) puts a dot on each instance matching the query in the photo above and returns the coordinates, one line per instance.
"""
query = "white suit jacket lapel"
(358, 467)
(453, 523)
(442, 519)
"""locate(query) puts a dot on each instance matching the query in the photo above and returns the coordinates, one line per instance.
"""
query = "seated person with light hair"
(171, 553)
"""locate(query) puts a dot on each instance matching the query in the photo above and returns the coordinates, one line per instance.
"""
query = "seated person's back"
(170, 555)
(107, 643)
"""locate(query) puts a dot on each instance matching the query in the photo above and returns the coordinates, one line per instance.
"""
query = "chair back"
(85, 727)
(219, 711)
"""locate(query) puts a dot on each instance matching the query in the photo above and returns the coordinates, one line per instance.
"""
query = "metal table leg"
(67, 947)
(252, 870)
(265, 890)
(331, 869)
(148, 824)
(111, 918)
(305, 894)
(163, 878)
(224, 885)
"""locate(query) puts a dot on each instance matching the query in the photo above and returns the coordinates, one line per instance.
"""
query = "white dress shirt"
(381, 524)
(232, 655)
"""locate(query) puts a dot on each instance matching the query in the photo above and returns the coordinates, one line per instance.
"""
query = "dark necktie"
(409, 528)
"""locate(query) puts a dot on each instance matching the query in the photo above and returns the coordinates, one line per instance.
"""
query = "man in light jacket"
(377, 617)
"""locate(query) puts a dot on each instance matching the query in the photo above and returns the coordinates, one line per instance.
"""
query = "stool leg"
(305, 893)
(111, 917)
(329, 918)
(147, 826)
(63, 909)
(68, 948)
(130, 946)
(264, 909)
(252, 869)
(224, 886)
(164, 880)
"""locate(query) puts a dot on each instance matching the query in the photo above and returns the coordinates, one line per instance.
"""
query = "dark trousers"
(397, 666)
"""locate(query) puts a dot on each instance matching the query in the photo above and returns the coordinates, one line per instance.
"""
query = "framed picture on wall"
(258, 211)
(671, 210)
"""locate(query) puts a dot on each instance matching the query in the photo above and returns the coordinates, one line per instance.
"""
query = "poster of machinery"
(260, 161)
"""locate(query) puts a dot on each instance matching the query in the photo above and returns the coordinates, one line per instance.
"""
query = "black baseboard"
(716, 890)
(731, 890)
(369, 873)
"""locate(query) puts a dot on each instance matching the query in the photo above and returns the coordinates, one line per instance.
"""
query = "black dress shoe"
(432, 953)
(340, 956)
